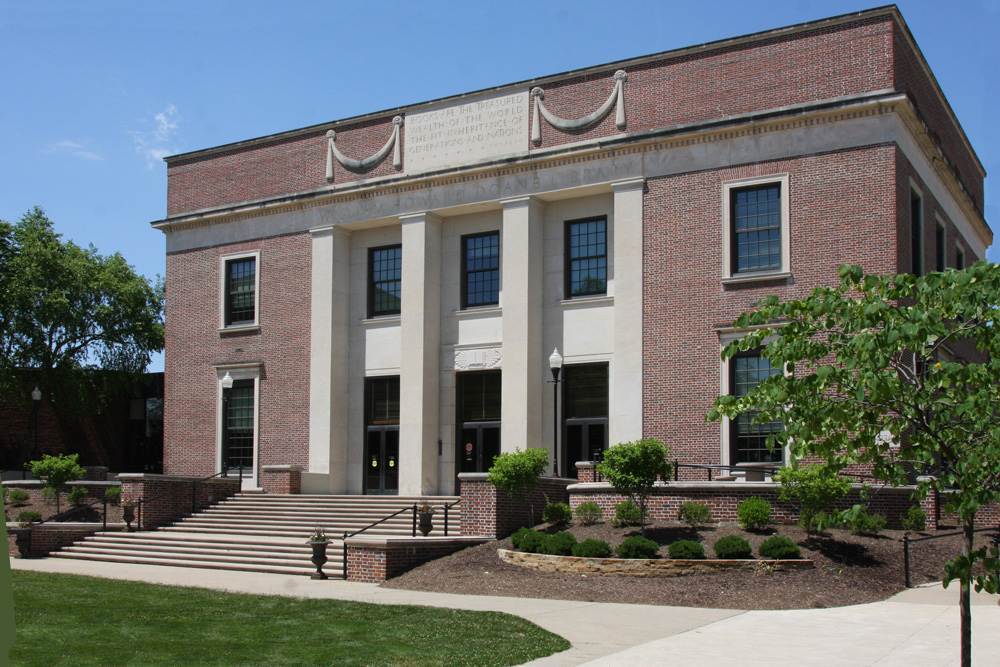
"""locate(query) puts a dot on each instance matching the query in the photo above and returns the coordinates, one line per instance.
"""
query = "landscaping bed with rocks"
(848, 569)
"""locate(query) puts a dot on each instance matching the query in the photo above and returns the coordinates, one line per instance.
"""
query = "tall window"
(481, 270)
(240, 425)
(585, 414)
(240, 298)
(756, 235)
(748, 439)
(940, 247)
(916, 235)
(382, 400)
(586, 257)
(384, 274)
(959, 258)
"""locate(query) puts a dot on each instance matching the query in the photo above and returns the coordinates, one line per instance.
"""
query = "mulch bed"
(48, 511)
(849, 569)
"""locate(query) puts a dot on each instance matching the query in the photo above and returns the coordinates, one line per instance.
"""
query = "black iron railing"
(907, 541)
(173, 492)
(446, 508)
(61, 517)
(411, 508)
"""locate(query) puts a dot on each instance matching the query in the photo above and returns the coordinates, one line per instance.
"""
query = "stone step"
(216, 555)
(334, 571)
(213, 546)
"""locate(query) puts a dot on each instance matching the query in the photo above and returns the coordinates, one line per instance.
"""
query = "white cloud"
(157, 142)
(73, 148)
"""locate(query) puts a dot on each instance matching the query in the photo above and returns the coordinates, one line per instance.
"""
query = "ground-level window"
(382, 435)
(585, 414)
(747, 439)
(477, 403)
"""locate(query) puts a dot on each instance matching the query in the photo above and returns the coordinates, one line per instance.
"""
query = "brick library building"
(381, 303)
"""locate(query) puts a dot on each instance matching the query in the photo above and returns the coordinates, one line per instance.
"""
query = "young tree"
(898, 372)
(633, 468)
(64, 309)
(55, 471)
(516, 472)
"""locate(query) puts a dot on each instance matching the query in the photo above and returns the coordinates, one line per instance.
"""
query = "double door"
(382, 460)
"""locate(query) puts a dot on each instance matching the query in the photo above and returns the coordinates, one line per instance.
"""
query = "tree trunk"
(965, 599)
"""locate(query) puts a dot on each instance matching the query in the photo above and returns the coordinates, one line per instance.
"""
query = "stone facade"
(842, 116)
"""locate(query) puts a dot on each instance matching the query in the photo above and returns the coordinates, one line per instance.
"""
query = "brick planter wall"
(375, 559)
(489, 512)
(48, 537)
(166, 498)
(724, 497)
(281, 479)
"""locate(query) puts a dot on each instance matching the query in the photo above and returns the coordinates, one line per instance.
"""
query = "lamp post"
(227, 384)
(555, 363)
(36, 399)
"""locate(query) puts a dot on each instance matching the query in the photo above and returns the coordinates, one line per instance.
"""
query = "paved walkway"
(916, 627)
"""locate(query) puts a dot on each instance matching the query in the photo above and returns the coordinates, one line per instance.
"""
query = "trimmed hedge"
(686, 550)
(732, 546)
(558, 544)
(638, 547)
(779, 547)
(754, 513)
(591, 548)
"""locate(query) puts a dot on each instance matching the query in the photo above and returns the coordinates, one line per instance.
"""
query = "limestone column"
(420, 350)
(524, 361)
(329, 348)
(625, 381)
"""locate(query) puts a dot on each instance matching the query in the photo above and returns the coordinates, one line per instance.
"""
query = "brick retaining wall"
(489, 512)
(48, 537)
(166, 498)
(281, 479)
(375, 559)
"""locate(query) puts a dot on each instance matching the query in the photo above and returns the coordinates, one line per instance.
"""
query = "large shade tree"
(901, 373)
(66, 310)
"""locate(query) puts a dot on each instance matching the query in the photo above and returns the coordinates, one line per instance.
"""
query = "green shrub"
(557, 513)
(686, 549)
(531, 541)
(558, 544)
(732, 546)
(812, 489)
(638, 547)
(50, 494)
(695, 514)
(589, 513)
(78, 496)
(518, 536)
(628, 514)
(516, 472)
(779, 547)
(18, 497)
(591, 548)
(914, 521)
(25, 517)
(633, 469)
(754, 513)
(113, 494)
(867, 524)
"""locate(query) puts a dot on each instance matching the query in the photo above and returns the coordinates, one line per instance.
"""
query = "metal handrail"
(907, 541)
(78, 508)
(194, 495)
(446, 508)
(412, 508)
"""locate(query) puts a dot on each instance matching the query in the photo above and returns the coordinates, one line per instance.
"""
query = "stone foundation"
(641, 567)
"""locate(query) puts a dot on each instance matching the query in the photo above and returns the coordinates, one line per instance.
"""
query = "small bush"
(686, 549)
(25, 517)
(78, 496)
(867, 524)
(696, 514)
(113, 494)
(638, 547)
(18, 497)
(558, 544)
(527, 540)
(812, 489)
(557, 513)
(779, 547)
(50, 494)
(518, 536)
(732, 546)
(754, 513)
(627, 514)
(589, 513)
(914, 521)
(591, 548)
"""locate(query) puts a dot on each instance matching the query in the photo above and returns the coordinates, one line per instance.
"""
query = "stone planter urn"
(318, 558)
(128, 515)
(426, 522)
(22, 538)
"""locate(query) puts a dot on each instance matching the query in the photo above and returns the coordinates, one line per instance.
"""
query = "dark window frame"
(940, 246)
(373, 284)
(247, 316)
(242, 397)
(775, 257)
(493, 298)
(389, 386)
(584, 421)
(570, 261)
(960, 258)
(775, 456)
(916, 233)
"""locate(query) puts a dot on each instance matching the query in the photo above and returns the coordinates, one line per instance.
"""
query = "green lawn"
(79, 621)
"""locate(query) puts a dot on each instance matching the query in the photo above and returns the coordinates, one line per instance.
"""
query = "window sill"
(594, 300)
(756, 277)
(380, 320)
(477, 310)
(240, 328)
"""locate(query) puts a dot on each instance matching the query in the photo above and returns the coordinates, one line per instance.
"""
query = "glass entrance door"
(382, 460)
(586, 440)
(479, 444)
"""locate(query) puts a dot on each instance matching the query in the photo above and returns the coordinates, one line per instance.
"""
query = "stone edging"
(657, 567)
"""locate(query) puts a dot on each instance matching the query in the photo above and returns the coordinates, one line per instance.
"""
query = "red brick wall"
(165, 500)
(374, 564)
(47, 538)
(194, 344)
(281, 481)
(838, 205)
(490, 512)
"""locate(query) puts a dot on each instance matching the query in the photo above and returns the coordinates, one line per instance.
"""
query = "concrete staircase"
(262, 533)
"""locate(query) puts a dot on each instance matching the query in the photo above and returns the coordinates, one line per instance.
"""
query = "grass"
(80, 621)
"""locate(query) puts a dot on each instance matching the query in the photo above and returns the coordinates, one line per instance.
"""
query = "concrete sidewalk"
(916, 627)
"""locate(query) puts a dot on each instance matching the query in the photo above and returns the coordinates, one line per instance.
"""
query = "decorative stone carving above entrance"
(475, 360)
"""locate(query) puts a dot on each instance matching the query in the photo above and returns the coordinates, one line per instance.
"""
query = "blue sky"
(97, 93)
